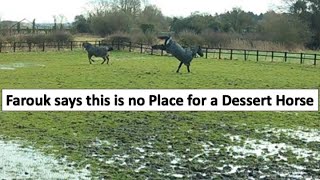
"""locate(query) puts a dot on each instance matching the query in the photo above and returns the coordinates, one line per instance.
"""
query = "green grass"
(75, 134)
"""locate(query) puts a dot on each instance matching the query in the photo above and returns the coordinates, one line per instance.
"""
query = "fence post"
(245, 55)
(118, 45)
(0, 47)
(43, 46)
(272, 56)
(29, 47)
(161, 52)
(130, 46)
(219, 53)
(141, 48)
(257, 55)
(151, 51)
(206, 53)
(301, 58)
(315, 59)
(99, 42)
(285, 56)
(58, 46)
(14, 47)
(71, 45)
(231, 53)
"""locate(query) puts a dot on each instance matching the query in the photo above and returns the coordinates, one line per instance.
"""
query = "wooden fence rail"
(260, 55)
(219, 53)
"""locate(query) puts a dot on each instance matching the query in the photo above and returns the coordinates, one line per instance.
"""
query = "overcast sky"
(44, 10)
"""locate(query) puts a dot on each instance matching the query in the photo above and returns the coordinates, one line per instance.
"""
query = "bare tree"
(99, 7)
(152, 17)
(145, 2)
(61, 19)
(54, 28)
(130, 7)
(33, 26)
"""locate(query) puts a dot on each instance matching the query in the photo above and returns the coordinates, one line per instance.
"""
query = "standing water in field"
(26, 163)
(13, 66)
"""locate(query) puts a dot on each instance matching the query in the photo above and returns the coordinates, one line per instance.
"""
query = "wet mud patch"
(18, 162)
(237, 156)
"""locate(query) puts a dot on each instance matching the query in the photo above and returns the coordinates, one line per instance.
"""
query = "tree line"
(296, 27)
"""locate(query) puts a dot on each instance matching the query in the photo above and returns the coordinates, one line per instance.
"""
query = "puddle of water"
(26, 163)
(231, 168)
(305, 135)
(6, 68)
(249, 147)
(265, 148)
(177, 175)
(14, 66)
(140, 168)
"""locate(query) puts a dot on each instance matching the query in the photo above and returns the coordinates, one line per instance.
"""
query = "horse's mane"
(87, 45)
(195, 50)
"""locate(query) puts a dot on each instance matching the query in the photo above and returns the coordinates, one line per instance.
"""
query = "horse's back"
(98, 51)
(182, 54)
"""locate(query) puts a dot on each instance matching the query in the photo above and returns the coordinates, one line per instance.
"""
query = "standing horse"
(97, 52)
(184, 55)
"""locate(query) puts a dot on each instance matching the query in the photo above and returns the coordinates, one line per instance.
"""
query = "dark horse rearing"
(97, 52)
(184, 55)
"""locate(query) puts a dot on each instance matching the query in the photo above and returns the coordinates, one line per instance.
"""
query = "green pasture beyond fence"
(218, 53)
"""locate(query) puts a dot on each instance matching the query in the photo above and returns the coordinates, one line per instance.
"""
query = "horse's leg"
(89, 57)
(179, 66)
(108, 59)
(104, 60)
(188, 67)
(92, 59)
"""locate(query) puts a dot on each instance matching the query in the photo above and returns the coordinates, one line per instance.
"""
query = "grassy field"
(198, 145)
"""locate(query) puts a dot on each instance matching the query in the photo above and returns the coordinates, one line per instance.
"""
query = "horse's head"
(200, 52)
(86, 45)
(197, 50)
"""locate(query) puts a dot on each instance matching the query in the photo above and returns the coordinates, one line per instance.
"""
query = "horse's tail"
(165, 37)
(161, 47)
